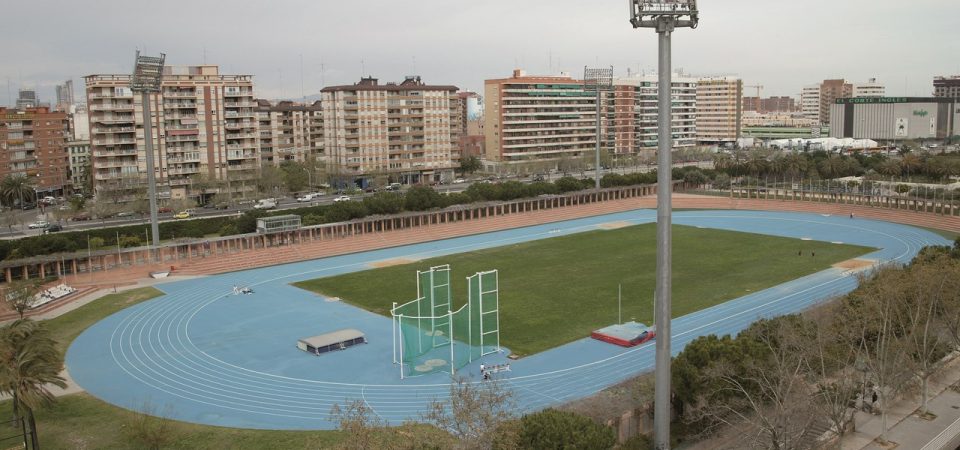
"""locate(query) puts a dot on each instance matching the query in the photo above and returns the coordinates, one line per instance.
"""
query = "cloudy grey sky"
(780, 44)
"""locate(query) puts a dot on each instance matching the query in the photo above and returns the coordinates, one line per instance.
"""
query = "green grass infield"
(554, 291)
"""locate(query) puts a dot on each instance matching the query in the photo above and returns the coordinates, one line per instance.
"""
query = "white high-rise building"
(869, 89)
(810, 102)
(635, 113)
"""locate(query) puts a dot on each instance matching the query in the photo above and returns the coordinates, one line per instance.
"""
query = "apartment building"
(810, 102)
(946, 86)
(204, 125)
(781, 104)
(78, 153)
(406, 131)
(635, 113)
(32, 145)
(538, 117)
(285, 131)
(870, 89)
(719, 109)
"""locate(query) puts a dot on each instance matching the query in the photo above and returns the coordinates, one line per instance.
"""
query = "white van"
(267, 203)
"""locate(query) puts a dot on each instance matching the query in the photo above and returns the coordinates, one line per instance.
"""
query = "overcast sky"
(780, 44)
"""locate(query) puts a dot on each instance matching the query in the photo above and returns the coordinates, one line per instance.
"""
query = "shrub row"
(417, 198)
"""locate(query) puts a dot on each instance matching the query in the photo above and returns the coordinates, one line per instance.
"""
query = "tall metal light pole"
(664, 16)
(147, 76)
(597, 80)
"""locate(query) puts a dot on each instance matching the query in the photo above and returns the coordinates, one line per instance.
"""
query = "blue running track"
(203, 355)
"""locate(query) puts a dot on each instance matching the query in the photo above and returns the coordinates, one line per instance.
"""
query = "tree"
(296, 177)
(270, 181)
(870, 318)
(470, 164)
(19, 294)
(473, 412)
(829, 367)
(694, 177)
(950, 303)
(29, 362)
(14, 187)
(554, 429)
(911, 163)
(767, 397)
(422, 198)
(919, 320)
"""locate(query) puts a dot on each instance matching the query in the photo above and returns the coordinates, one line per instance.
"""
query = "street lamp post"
(597, 80)
(664, 16)
(147, 76)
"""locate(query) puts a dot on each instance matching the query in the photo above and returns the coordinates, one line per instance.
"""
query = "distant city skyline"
(295, 48)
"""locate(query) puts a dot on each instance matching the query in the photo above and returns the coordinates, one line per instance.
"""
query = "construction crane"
(759, 102)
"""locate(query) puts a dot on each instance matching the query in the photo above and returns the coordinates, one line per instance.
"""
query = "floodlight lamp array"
(597, 79)
(147, 73)
(653, 14)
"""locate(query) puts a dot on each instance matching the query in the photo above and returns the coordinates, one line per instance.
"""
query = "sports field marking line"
(521, 387)
(365, 402)
(507, 239)
(737, 217)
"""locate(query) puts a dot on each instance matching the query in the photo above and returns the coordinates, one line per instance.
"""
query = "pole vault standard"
(664, 16)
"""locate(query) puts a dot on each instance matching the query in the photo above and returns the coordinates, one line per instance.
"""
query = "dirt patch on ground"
(392, 262)
(853, 264)
(614, 225)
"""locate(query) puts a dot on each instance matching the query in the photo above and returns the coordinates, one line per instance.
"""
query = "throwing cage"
(429, 337)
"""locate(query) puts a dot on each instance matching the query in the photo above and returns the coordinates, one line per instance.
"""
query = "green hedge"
(417, 198)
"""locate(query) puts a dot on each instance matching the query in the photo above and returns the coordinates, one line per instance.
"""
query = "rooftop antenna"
(303, 98)
(363, 68)
(323, 75)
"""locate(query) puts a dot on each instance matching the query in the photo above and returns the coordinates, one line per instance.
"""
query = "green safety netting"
(423, 327)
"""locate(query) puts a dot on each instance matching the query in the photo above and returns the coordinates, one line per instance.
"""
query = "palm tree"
(911, 162)
(722, 162)
(14, 186)
(29, 361)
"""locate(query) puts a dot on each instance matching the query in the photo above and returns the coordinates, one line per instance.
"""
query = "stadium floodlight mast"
(663, 16)
(147, 76)
(597, 80)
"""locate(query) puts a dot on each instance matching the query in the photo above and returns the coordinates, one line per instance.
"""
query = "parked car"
(48, 200)
(26, 206)
(459, 181)
(39, 224)
(64, 208)
(81, 217)
(342, 198)
(164, 209)
(538, 177)
(53, 229)
(305, 198)
(125, 214)
(182, 215)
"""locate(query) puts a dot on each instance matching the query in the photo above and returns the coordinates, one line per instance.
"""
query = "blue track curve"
(200, 354)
